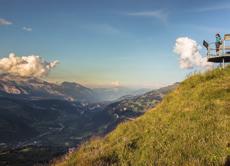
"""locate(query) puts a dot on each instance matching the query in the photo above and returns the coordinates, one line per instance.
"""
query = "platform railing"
(211, 52)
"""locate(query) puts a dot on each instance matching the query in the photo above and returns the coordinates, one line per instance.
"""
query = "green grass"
(191, 126)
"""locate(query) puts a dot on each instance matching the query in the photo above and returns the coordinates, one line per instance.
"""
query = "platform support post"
(223, 63)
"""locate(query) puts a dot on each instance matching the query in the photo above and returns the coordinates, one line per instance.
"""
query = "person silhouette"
(218, 43)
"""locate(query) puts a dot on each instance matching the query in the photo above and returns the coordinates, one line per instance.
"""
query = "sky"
(101, 43)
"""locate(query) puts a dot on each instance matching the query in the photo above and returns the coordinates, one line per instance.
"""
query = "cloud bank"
(158, 14)
(28, 29)
(189, 55)
(28, 66)
(4, 22)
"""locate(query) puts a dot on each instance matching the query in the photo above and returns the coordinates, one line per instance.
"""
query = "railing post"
(223, 50)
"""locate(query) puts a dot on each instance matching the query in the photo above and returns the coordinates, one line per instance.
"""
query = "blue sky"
(106, 42)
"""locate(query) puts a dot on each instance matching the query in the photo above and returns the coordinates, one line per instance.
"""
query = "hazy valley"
(41, 118)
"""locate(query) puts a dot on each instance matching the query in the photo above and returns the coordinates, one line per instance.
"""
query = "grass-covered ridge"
(191, 126)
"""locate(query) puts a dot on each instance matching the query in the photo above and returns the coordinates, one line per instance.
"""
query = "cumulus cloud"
(189, 55)
(28, 29)
(29, 66)
(4, 22)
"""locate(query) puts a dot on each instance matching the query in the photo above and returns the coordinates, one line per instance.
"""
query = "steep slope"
(133, 106)
(78, 92)
(189, 127)
(130, 107)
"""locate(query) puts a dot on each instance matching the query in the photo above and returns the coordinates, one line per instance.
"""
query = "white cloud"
(116, 83)
(158, 14)
(29, 66)
(189, 55)
(28, 29)
(4, 22)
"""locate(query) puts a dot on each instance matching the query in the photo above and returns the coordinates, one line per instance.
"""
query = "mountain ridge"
(32, 87)
(36, 88)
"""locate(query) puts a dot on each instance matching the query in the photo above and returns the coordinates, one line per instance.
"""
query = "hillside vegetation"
(191, 126)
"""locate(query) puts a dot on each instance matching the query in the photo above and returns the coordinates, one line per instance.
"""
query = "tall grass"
(191, 126)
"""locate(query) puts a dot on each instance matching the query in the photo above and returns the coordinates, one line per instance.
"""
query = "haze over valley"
(50, 118)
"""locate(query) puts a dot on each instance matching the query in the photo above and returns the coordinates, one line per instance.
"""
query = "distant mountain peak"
(71, 84)
(34, 88)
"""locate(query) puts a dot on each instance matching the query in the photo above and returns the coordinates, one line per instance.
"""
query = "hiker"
(218, 42)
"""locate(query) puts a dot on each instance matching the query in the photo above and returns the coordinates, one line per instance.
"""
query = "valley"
(40, 118)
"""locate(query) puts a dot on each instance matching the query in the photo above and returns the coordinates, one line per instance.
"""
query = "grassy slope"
(191, 126)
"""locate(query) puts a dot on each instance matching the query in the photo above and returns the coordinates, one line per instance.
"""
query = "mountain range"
(49, 118)
(34, 88)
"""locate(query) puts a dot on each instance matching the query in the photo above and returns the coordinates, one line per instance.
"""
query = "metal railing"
(212, 51)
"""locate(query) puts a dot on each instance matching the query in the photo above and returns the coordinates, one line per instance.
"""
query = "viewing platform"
(219, 59)
(221, 56)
